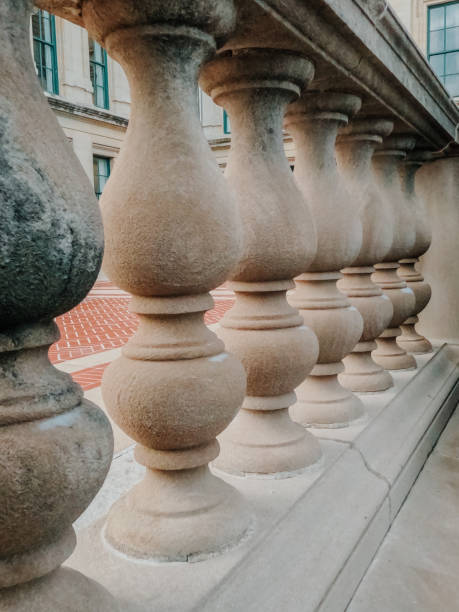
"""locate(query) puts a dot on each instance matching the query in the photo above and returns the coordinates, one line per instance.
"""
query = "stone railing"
(365, 112)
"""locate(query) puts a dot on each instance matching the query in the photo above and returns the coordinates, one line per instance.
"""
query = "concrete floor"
(417, 565)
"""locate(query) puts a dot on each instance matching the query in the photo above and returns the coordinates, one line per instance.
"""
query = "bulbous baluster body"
(355, 147)
(314, 121)
(168, 242)
(267, 334)
(56, 447)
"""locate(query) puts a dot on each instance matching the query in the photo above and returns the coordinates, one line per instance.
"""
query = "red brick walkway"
(103, 322)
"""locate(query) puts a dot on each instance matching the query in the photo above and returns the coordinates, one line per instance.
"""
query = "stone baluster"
(410, 340)
(313, 122)
(56, 447)
(268, 335)
(355, 147)
(386, 161)
(172, 235)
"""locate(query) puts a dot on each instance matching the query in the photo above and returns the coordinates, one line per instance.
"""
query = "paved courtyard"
(93, 332)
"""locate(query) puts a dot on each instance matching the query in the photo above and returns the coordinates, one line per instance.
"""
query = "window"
(226, 123)
(101, 173)
(44, 50)
(443, 44)
(99, 74)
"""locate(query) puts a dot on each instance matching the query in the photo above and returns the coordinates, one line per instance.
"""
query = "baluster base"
(411, 341)
(323, 402)
(177, 515)
(277, 351)
(63, 589)
(265, 441)
(362, 374)
(390, 355)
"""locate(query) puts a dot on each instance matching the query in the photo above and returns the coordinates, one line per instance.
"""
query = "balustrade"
(355, 147)
(168, 242)
(313, 122)
(56, 447)
(410, 340)
(279, 242)
(386, 162)
(349, 234)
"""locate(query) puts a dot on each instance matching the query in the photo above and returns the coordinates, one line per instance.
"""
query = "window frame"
(226, 123)
(104, 65)
(108, 161)
(443, 53)
(53, 46)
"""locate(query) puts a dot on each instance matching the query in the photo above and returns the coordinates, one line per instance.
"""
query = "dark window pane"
(437, 43)
(452, 39)
(437, 62)
(437, 18)
(36, 26)
(452, 15)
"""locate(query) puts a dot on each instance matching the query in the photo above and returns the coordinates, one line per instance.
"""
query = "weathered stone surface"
(169, 240)
(56, 447)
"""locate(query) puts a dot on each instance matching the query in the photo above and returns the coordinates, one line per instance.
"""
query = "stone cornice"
(86, 112)
(359, 46)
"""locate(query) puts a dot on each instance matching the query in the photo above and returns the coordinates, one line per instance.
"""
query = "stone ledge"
(85, 112)
(315, 534)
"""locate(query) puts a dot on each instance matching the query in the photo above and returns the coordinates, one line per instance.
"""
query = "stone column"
(410, 340)
(386, 162)
(56, 447)
(268, 335)
(172, 234)
(313, 122)
(355, 147)
(438, 185)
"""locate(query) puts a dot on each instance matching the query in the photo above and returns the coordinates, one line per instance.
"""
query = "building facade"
(89, 92)
(434, 26)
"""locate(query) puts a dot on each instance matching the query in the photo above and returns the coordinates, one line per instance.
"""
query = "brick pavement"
(103, 322)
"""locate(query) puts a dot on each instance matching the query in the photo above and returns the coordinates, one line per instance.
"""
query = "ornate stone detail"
(267, 334)
(168, 242)
(410, 340)
(314, 121)
(56, 446)
(386, 161)
(355, 147)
